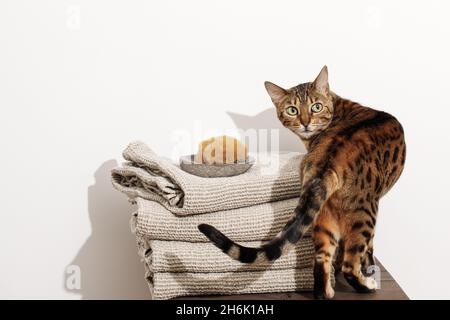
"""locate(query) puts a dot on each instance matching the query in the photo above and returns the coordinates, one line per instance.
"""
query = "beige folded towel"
(256, 223)
(177, 256)
(171, 285)
(175, 269)
(155, 178)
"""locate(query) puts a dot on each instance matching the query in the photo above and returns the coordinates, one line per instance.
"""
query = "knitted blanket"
(152, 177)
(260, 222)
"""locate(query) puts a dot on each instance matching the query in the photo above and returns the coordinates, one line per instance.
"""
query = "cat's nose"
(304, 124)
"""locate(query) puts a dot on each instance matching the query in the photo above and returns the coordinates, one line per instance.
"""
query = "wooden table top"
(389, 290)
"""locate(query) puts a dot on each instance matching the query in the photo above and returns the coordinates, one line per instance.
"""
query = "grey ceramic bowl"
(188, 164)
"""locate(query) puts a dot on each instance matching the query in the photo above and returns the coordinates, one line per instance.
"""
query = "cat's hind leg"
(339, 257)
(355, 253)
(368, 260)
(326, 237)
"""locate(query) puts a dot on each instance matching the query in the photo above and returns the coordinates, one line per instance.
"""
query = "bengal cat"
(355, 155)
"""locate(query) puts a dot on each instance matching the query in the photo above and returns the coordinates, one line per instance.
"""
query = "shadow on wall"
(268, 120)
(110, 266)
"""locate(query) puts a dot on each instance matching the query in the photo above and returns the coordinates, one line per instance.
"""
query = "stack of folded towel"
(250, 208)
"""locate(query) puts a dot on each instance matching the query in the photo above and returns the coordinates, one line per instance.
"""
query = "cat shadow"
(108, 261)
(268, 120)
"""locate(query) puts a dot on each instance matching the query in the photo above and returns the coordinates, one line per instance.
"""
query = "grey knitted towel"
(256, 223)
(155, 178)
(177, 256)
(170, 285)
(177, 268)
(174, 269)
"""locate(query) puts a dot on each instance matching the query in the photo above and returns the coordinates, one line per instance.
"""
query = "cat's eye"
(292, 111)
(317, 107)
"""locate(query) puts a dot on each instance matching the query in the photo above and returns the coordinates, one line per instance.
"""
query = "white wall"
(80, 79)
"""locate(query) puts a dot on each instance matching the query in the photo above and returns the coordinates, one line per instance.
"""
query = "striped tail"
(311, 200)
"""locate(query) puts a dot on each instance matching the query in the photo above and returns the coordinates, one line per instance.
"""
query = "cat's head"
(306, 109)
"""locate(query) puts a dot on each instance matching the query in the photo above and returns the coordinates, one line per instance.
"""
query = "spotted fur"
(355, 156)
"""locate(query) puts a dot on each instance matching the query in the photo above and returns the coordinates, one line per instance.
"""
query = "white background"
(81, 79)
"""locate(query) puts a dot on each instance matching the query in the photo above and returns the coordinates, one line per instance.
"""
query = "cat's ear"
(321, 82)
(275, 92)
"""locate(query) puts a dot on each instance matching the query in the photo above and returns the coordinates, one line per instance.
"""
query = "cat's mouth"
(304, 133)
(307, 134)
